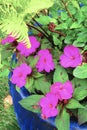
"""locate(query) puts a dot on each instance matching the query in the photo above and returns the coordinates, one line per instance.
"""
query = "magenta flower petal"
(28, 51)
(62, 91)
(71, 57)
(48, 105)
(45, 62)
(9, 39)
(46, 112)
(20, 73)
(49, 100)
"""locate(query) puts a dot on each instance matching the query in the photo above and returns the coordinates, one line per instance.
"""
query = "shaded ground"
(7, 117)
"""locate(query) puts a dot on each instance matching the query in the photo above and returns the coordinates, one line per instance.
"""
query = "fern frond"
(13, 13)
(16, 27)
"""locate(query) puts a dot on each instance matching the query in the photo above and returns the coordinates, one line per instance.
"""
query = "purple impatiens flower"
(48, 105)
(62, 91)
(9, 39)
(20, 73)
(45, 62)
(71, 57)
(28, 51)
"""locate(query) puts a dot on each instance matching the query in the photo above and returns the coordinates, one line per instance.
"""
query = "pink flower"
(71, 57)
(45, 61)
(20, 73)
(62, 91)
(28, 51)
(48, 105)
(9, 39)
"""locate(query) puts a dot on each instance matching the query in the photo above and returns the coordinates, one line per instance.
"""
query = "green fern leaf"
(17, 28)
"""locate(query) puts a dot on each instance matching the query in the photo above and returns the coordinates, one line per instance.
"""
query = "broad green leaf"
(56, 40)
(42, 85)
(62, 26)
(4, 73)
(64, 16)
(81, 71)
(80, 83)
(44, 20)
(37, 74)
(75, 25)
(32, 61)
(73, 104)
(85, 47)
(60, 75)
(80, 93)
(75, 3)
(29, 83)
(82, 115)
(31, 101)
(63, 120)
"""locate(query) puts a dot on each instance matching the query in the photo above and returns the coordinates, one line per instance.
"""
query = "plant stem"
(60, 33)
(40, 27)
(50, 40)
(65, 6)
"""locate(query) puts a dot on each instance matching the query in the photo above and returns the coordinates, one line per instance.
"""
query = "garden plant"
(49, 40)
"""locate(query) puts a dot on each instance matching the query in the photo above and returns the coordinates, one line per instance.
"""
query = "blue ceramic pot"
(28, 120)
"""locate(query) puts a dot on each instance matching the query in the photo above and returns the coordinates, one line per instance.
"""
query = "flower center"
(20, 75)
(72, 57)
(61, 87)
(44, 60)
(50, 105)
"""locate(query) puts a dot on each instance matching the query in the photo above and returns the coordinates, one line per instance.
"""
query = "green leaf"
(60, 75)
(75, 25)
(56, 40)
(63, 120)
(31, 101)
(75, 3)
(4, 73)
(35, 6)
(80, 93)
(37, 74)
(85, 47)
(44, 20)
(81, 71)
(82, 115)
(64, 16)
(32, 61)
(62, 26)
(29, 84)
(80, 83)
(73, 104)
(42, 84)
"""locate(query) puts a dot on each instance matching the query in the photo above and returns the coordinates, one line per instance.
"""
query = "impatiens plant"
(51, 63)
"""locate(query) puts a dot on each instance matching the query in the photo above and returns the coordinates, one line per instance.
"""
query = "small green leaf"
(80, 93)
(4, 73)
(63, 120)
(82, 115)
(80, 83)
(29, 83)
(73, 104)
(64, 16)
(75, 25)
(31, 101)
(42, 84)
(44, 20)
(32, 61)
(81, 71)
(62, 26)
(60, 75)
